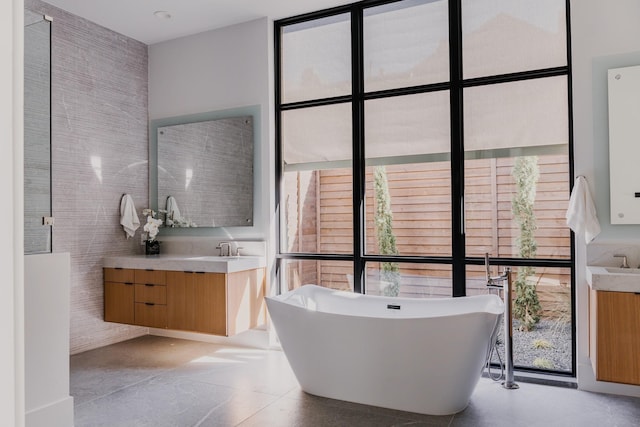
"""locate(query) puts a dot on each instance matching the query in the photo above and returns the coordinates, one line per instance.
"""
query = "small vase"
(152, 247)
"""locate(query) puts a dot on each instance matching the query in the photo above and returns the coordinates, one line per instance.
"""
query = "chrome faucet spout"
(222, 246)
(495, 281)
(625, 263)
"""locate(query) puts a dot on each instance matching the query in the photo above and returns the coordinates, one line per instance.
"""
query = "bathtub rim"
(495, 306)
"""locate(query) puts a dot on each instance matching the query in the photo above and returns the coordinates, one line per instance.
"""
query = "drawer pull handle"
(128, 283)
(149, 269)
(149, 303)
(199, 272)
(118, 268)
(149, 284)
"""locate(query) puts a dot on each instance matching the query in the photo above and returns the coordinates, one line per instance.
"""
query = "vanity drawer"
(152, 277)
(119, 275)
(156, 294)
(151, 315)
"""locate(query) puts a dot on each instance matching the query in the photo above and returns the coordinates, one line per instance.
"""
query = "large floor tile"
(156, 402)
(314, 412)
(100, 372)
(241, 406)
(159, 381)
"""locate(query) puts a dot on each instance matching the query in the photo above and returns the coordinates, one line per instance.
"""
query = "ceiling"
(135, 18)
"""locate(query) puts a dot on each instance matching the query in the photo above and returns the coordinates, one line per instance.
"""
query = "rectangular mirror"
(624, 176)
(203, 169)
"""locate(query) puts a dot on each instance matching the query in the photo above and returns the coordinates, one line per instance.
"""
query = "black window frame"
(456, 85)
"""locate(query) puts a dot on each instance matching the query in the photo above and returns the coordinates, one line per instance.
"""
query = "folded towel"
(173, 212)
(581, 215)
(128, 216)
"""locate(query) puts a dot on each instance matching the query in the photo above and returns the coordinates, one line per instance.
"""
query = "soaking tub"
(417, 355)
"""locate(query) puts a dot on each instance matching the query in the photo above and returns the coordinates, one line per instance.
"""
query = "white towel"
(128, 216)
(581, 215)
(173, 212)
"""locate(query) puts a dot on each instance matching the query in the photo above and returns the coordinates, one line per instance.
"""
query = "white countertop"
(207, 264)
(613, 279)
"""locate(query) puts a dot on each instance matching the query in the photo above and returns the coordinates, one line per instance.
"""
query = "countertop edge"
(599, 280)
(184, 263)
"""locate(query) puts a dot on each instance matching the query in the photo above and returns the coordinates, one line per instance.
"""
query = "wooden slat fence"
(319, 220)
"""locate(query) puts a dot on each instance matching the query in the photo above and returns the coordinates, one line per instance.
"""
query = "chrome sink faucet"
(222, 246)
(625, 263)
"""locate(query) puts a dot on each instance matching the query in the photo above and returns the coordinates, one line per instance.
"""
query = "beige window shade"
(502, 120)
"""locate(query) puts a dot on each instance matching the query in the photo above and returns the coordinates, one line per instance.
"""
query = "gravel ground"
(548, 346)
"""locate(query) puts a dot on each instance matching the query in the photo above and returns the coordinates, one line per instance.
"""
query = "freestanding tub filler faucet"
(499, 282)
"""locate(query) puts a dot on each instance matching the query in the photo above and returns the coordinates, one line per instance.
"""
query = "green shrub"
(526, 305)
(383, 219)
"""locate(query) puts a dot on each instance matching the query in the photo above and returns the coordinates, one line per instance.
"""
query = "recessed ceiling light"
(162, 14)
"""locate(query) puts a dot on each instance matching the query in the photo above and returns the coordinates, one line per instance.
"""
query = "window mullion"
(357, 85)
(457, 150)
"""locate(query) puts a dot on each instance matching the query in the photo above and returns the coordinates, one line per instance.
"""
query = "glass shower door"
(37, 134)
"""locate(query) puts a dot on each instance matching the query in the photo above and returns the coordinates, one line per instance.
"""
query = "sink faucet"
(625, 264)
(222, 246)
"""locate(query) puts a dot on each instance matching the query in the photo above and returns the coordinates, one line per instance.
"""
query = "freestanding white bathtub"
(417, 355)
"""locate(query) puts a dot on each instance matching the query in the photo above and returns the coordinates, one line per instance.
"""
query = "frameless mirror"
(624, 105)
(204, 170)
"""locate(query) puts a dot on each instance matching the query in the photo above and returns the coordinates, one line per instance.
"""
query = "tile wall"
(99, 152)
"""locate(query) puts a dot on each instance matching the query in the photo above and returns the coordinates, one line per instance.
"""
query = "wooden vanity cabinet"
(210, 303)
(614, 338)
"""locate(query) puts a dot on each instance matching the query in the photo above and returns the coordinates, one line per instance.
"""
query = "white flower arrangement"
(152, 227)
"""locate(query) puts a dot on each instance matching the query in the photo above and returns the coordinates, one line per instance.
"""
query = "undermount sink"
(613, 278)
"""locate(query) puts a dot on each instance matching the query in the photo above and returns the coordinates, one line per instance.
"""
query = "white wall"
(11, 182)
(218, 70)
(604, 34)
(47, 314)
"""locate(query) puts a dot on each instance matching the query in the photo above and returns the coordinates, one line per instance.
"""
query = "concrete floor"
(156, 381)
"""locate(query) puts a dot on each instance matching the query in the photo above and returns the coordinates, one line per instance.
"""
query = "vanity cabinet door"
(118, 295)
(617, 340)
(196, 302)
(180, 314)
(118, 302)
(210, 303)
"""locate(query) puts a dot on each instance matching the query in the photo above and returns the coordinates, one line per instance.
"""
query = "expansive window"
(415, 136)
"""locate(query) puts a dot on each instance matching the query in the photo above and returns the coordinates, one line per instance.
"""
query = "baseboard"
(56, 414)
